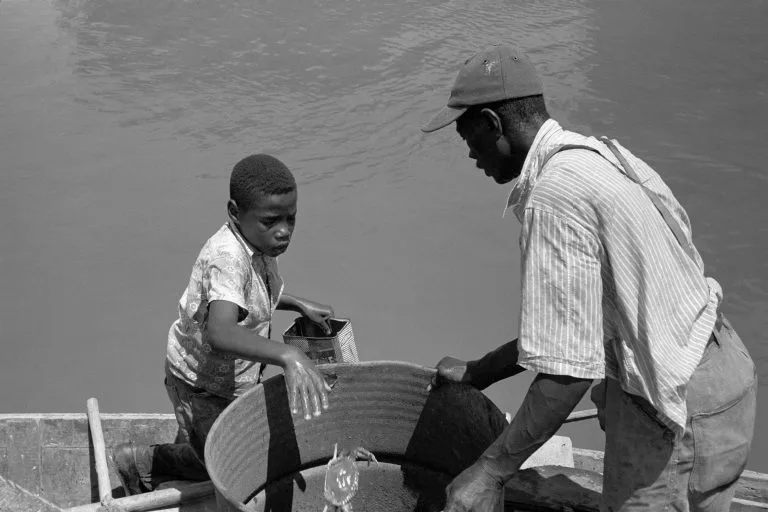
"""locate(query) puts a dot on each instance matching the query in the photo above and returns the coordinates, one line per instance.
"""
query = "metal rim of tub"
(383, 406)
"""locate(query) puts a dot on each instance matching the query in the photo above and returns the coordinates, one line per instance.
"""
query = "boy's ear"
(232, 209)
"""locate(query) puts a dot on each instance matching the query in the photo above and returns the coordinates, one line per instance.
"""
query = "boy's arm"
(302, 379)
(290, 303)
(318, 313)
(226, 335)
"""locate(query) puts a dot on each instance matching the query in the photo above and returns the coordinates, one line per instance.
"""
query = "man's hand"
(305, 384)
(318, 313)
(473, 490)
(450, 369)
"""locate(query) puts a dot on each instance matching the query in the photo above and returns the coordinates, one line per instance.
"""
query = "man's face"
(269, 224)
(489, 147)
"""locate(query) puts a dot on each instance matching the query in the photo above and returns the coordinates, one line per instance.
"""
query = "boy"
(219, 345)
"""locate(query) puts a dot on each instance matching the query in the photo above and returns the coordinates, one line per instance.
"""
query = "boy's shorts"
(196, 409)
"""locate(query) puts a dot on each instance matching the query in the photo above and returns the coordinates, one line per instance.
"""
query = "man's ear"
(493, 120)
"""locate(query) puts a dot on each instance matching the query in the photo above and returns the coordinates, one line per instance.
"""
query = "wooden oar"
(587, 414)
(164, 498)
(99, 451)
(168, 497)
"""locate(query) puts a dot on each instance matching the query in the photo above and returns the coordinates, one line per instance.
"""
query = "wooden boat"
(54, 462)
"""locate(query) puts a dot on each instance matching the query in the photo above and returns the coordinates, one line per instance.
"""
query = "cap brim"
(443, 118)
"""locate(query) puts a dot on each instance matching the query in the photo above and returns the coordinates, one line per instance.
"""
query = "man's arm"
(481, 373)
(549, 401)
(495, 366)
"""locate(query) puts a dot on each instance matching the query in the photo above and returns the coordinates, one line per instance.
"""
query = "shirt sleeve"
(226, 277)
(561, 320)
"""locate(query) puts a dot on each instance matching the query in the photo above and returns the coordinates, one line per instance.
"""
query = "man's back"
(656, 306)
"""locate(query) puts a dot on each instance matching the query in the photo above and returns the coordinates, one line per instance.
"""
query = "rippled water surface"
(120, 121)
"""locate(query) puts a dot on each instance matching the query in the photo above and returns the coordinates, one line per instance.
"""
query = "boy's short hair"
(259, 175)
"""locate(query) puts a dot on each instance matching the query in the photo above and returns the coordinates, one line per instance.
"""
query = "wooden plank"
(591, 460)
(19, 433)
(554, 488)
(66, 476)
(739, 505)
(21, 440)
(16, 498)
(753, 486)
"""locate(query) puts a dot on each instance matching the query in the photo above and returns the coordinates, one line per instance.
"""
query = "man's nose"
(472, 154)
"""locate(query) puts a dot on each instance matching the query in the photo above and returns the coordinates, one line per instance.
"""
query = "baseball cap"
(498, 72)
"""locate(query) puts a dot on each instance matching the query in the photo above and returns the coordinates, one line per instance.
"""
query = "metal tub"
(261, 457)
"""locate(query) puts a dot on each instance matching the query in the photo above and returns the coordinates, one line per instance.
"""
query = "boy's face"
(269, 224)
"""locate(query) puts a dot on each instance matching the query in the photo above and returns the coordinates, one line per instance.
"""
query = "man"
(613, 289)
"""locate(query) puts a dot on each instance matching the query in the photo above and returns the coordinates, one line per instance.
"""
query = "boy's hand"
(318, 313)
(449, 369)
(304, 384)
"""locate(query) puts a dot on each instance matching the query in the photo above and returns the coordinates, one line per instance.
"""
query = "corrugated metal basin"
(260, 457)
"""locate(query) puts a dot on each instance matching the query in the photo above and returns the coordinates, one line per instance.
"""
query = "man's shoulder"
(579, 175)
(578, 186)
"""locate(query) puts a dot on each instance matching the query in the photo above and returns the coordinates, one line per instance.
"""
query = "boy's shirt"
(227, 268)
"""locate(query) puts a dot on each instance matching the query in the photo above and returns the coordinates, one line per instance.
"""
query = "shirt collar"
(250, 250)
(547, 137)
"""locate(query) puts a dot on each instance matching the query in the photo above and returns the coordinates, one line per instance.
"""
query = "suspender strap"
(627, 169)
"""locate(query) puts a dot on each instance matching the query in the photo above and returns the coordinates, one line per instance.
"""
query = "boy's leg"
(198, 410)
(142, 468)
(206, 407)
(180, 410)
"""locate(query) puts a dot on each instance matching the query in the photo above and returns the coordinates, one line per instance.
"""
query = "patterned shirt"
(227, 268)
(607, 290)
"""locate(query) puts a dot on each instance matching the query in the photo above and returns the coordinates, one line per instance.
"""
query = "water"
(120, 122)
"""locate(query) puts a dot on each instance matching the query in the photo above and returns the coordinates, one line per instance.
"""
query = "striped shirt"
(607, 290)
